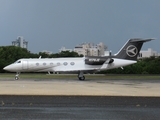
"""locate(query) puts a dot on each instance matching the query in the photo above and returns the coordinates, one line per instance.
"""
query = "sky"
(51, 24)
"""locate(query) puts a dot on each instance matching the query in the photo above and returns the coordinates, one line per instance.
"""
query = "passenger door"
(25, 65)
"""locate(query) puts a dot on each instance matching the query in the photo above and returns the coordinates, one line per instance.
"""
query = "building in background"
(148, 53)
(47, 52)
(20, 42)
(64, 49)
(88, 49)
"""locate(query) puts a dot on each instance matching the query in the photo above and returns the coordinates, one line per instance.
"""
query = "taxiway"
(69, 87)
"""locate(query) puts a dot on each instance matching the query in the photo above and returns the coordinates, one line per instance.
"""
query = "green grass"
(74, 76)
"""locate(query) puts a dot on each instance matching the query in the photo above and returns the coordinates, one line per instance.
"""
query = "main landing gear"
(81, 76)
(17, 76)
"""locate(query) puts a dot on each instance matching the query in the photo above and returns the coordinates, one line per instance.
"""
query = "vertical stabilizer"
(131, 49)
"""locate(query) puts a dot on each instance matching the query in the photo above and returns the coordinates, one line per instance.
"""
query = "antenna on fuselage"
(110, 53)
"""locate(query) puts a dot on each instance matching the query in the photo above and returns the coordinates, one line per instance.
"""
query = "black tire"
(82, 78)
(16, 78)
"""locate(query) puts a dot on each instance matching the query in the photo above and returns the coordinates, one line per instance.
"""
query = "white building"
(64, 49)
(20, 42)
(81, 49)
(148, 53)
(89, 49)
(47, 52)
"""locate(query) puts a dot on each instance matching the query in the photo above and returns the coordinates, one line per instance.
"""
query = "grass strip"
(74, 76)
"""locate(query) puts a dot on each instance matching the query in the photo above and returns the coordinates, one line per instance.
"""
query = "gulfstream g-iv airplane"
(127, 55)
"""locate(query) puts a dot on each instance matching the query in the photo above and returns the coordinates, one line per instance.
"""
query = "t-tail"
(131, 49)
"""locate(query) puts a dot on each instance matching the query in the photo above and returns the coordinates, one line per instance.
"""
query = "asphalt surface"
(98, 99)
(79, 107)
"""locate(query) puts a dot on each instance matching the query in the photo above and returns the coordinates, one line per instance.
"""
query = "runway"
(79, 107)
(67, 99)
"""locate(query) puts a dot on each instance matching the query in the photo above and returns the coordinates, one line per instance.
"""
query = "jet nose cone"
(7, 68)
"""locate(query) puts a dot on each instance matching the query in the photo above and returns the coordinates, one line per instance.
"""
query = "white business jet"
(126, 56)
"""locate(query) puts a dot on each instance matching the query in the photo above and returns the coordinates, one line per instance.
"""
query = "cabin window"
(37, 64)
(44, 63)
(51, 63)
(65, 63)
(72, 63)
(58, 63)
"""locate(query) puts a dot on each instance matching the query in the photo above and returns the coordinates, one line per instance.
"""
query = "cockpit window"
(18, 61)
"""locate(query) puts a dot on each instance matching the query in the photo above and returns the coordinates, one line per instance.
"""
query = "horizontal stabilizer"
(141, 40)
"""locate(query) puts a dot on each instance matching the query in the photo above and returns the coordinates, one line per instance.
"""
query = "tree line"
(9, 54)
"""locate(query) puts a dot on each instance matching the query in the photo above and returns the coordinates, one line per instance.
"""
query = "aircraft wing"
(87, 68)
(106, 63)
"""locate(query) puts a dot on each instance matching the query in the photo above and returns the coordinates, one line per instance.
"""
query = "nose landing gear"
(17, 76)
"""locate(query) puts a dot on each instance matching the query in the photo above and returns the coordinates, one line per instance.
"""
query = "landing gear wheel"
(16, 78)
(82, 78)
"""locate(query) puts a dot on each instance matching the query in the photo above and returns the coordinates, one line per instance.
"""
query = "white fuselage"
(62, 65)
